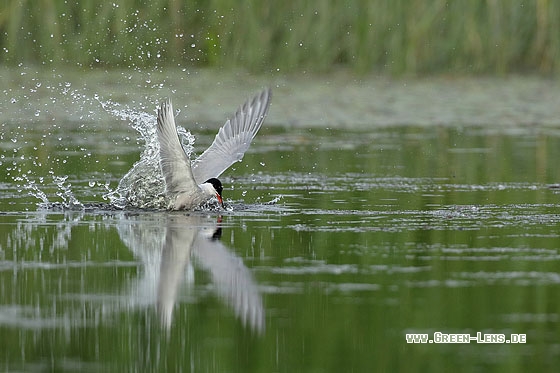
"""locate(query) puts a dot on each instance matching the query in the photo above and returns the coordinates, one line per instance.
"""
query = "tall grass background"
(388, 36)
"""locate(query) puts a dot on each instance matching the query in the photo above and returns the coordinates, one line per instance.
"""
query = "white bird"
(190, 186)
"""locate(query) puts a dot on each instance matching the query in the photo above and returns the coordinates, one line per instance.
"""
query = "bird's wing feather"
(175, 164)
(233, 138)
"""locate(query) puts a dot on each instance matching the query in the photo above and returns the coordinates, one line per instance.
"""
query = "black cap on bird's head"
(217, 184)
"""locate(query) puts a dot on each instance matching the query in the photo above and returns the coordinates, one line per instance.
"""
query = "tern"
(190, 185)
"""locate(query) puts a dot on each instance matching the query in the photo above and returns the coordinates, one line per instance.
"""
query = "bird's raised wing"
(233, 139)
(175, 165)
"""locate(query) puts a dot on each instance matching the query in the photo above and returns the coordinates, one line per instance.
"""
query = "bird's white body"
(188, 186)
(191, 199)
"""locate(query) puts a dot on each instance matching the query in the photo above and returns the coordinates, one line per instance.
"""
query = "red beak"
(219, 197)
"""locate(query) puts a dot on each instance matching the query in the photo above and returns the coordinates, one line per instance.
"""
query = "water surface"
(338, 242)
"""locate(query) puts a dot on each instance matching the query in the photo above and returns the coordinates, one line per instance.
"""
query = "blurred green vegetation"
(387, 36)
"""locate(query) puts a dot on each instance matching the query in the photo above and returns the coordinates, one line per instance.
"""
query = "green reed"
(393, 36)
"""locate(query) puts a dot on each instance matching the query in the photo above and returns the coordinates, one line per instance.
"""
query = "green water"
(342, 240)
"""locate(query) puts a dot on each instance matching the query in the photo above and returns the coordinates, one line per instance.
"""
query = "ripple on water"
(519, 278)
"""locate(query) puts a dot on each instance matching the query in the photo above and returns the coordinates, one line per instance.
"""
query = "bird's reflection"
(166, 247)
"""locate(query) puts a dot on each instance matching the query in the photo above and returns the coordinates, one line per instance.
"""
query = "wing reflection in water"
(166, 246)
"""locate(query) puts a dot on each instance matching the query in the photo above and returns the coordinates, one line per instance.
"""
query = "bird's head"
(215, 186)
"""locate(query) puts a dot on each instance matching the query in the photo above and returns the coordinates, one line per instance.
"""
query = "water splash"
(143, 185)
(65, 192)
(273, 201)
(33, 190)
